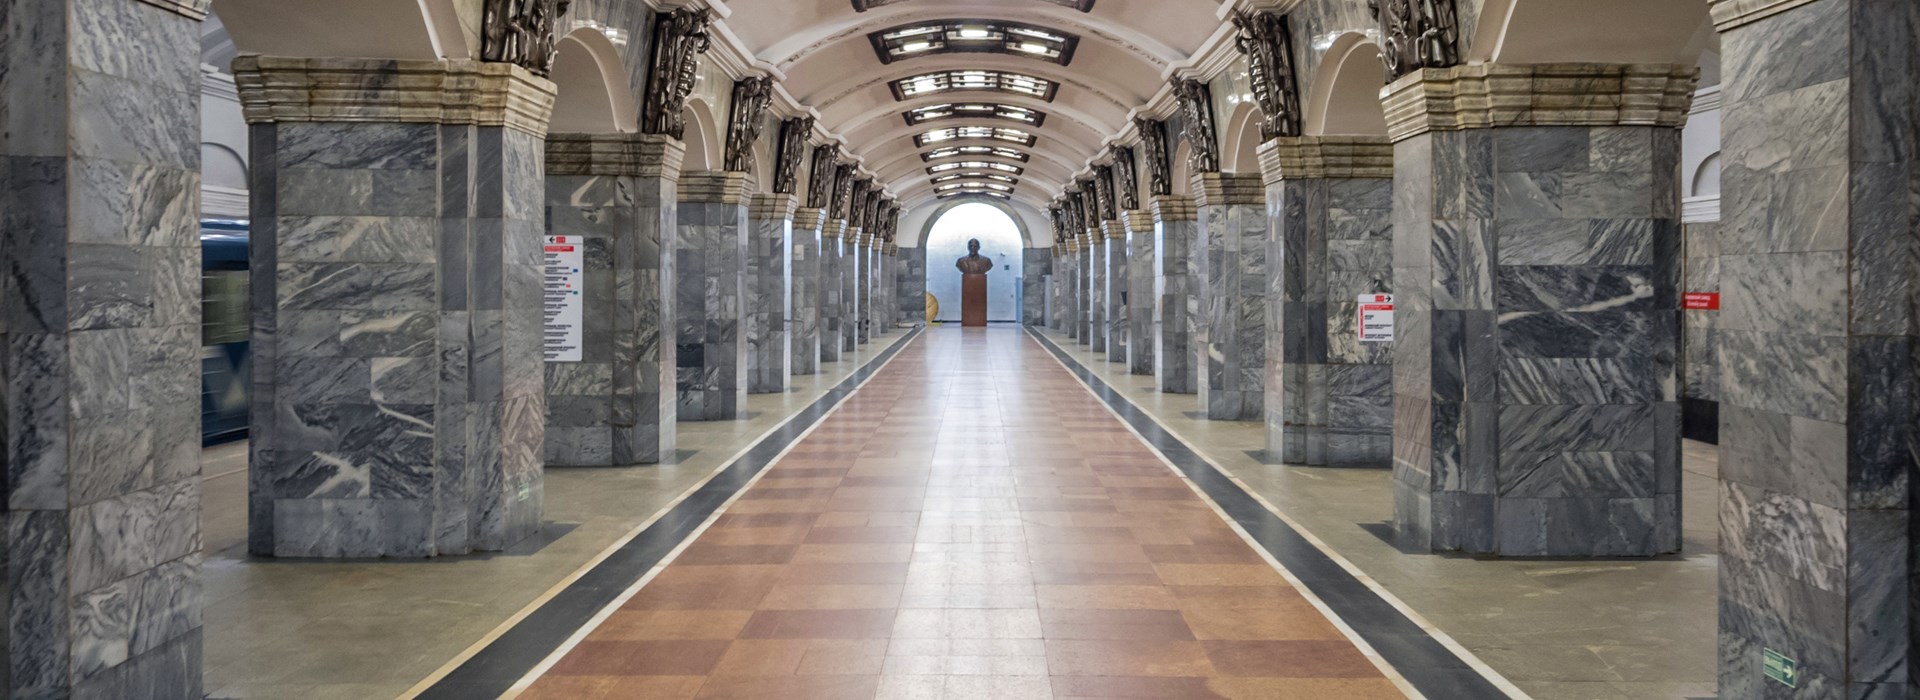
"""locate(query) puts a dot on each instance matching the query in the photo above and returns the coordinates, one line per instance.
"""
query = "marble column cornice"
(1218, 189)
(1092, 236)
(1174, 208)
(616, 155)
(1489, 95)
(773, 206)
(1326, 157)
(834, 228)
(809, 218)
(1114, 230)
(192, 9)
(1728, 14)
(281, 89)
(716, 187)
(1137, 220)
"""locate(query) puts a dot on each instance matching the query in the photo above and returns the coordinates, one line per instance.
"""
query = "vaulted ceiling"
(866, 69)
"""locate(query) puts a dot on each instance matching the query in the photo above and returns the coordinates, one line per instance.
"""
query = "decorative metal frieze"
(857, 202)
(1103, 187)
(1153, 140)
(1196, 105)
(842, 190)
(1266, 39)
(1417, 34)
(750, 99)
(820, 179)
(1089, 204)
(870, 212)
(1059, 225)
(521, 32)
(793, 150)
(1126, 178)
(679, 38)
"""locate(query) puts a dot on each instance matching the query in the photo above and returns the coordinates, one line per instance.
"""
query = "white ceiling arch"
(890, 112)
(1044, 172)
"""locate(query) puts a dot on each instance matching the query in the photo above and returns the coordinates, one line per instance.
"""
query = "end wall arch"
(934, 214)
(1344, 98)
(594, 95)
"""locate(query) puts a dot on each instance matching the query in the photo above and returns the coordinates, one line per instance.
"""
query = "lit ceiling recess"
(973, 36)
(990, 133)
(975, 110)
(974, 151)
(974, 193)
(990, 177)
(1081, 5)
(969, 80)
(976, 165)
(974, 187)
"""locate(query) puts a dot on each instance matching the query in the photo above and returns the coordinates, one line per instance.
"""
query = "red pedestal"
(973, 301)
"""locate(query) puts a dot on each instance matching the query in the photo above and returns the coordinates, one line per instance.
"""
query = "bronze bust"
(974, 263)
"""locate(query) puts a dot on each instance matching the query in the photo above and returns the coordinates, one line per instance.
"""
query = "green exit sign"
(1780, 668)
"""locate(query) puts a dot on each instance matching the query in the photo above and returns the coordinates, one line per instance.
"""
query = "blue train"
(224, 325)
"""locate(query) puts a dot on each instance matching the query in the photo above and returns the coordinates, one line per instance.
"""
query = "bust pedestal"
(973, 301)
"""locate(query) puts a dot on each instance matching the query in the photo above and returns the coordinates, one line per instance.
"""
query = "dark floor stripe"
(494, 670)
(1432, 668)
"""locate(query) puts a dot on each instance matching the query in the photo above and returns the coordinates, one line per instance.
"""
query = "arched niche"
(594, 95)
(1002, 238)
(918, 221)
(1585, 31)
(702, 137)
(222, 166)
(1243, 140)
(1344, 98)
(419, 30)
(1182, 171)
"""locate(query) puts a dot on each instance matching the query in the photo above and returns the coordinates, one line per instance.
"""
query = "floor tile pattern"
(971, 524)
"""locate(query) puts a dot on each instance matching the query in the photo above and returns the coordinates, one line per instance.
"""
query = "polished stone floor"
(972, 523)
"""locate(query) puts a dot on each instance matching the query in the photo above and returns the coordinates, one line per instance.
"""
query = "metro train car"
(224, 326)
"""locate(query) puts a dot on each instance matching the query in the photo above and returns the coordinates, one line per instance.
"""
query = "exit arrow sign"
(1780, 668)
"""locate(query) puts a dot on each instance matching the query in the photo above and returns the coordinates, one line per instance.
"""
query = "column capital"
(618, 155)
(773, 206)
(281, 89)
(1173, 207)
(1728, 14)
(1218, 189)
(834, 228)
(1137, 220)
(1114, 230)
(809, 218)
(191, 9)
(1488, 95)
(1331, 157)
(716, 187)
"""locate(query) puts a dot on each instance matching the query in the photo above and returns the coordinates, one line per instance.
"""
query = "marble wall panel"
(1096, 318)
(1814, 348)
(833, 290)
(100, 316)
(1140, 297)
(711, 283)
(860, 275)
(1536, 272)
(1119, 291)
(769, 299)
(807, 261)
(911, 293)
(1067, 266)
(1036, 271)
(1175, 233)
(1230, 262)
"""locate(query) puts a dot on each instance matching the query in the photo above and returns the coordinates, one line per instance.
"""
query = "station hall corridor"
(973, 523)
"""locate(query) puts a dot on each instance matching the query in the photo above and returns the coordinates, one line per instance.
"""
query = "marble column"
(809, 296)
(861, 251)
(1070, 305)
(848, 266)
(881, 281)
(710, 270)
(910, 294)
(1058, 270)
(1175, 228)
(1140, 291)
(1230, 282)
(399, 406)
(1086, 304)
(769, 299)
(1097, 291)
(1535, 274)
(1330, 211)
(834, 333)
(1819, 365)
(99, 194)
(617, 192)
(1699, 334)
(1035, 269)
(1117, 292)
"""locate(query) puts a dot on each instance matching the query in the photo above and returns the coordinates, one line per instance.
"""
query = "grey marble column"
(1819, 365)
(618, 192)
(809, 297)
(1070, 305)
(1059, 269)
(1330, 210)
(1175, 229)
(1036, 267)
(1097, 291)
(769, 299)
(880, 312)
(398, 401)
(910, 297)
(1141, 260)
(99, 194)
(711, 271)
(1535, 272)
(1699, 334)
(1117, 291)
(860, 250)
(834, 332)
(848, 267)
(1230, 282)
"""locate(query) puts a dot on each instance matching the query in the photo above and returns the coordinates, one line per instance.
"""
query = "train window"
(223, 307)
